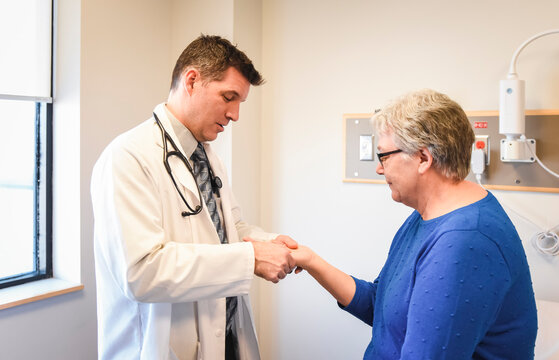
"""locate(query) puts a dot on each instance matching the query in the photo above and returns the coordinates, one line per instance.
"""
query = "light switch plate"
(366, 147)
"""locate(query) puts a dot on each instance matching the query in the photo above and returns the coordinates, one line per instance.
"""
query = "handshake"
(274, 260)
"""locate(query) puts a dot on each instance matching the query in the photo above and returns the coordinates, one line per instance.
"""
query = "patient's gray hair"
(429, 119)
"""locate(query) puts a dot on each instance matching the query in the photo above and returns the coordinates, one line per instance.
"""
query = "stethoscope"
(214, 180)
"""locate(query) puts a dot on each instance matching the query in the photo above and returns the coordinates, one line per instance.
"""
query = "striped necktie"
(202, 174)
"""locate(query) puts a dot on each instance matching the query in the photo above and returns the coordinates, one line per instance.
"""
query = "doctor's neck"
(175, 105)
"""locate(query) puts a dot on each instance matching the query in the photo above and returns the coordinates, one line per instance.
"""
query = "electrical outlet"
(482, 142)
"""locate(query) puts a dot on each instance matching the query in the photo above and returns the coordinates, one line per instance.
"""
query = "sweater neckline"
(436, 220)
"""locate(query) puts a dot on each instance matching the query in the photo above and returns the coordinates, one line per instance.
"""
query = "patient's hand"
(303, 257)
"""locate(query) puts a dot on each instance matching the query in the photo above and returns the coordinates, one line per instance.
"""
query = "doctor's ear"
(189, 78)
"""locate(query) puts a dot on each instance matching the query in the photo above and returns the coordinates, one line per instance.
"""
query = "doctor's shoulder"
(136, 144)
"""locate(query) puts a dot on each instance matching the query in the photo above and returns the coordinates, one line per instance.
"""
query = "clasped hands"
(274, 260)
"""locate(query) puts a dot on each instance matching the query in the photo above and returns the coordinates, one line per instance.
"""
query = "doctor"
(173, 273)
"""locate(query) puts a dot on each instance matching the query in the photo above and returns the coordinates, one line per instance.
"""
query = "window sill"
(35, 291)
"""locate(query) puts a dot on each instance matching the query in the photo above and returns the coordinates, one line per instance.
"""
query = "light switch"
(366, 147)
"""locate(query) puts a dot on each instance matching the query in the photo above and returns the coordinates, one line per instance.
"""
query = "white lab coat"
(147, 256)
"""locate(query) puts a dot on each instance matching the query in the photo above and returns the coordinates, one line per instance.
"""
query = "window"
(25, 141)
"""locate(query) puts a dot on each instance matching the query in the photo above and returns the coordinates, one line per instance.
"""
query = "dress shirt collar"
(187, 140)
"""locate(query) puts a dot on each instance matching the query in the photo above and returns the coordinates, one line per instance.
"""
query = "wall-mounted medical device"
(515, 147)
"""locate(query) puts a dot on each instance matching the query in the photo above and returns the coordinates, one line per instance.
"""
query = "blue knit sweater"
(454, 287)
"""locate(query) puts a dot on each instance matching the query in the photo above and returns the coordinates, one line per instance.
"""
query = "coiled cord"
(546, 242)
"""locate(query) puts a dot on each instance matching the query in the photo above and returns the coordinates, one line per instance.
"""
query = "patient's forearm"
(335, 281)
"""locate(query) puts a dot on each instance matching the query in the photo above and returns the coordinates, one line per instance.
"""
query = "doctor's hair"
(429, 119)
(212, 56)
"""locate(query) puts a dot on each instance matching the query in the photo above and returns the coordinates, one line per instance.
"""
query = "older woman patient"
(456, 283)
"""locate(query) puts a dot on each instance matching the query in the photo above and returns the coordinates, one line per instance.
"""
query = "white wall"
(326, 58)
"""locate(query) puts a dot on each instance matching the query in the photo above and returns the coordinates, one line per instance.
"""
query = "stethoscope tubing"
(166, 138)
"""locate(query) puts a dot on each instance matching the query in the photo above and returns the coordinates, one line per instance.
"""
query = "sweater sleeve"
(362, 304)
(459, 286)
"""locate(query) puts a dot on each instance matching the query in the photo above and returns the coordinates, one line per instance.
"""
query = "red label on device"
(480, 124)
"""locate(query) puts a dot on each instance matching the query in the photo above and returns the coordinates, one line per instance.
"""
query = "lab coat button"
(219, 333)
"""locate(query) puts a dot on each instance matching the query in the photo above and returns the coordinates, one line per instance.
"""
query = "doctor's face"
(214, 104)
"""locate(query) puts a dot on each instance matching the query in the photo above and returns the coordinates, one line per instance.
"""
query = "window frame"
(42, 181)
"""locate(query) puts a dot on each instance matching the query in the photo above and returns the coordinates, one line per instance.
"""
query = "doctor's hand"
(291, 244)
(272, 261)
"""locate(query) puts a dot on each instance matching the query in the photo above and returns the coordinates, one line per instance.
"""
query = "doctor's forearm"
(245, 229)
(189, 272)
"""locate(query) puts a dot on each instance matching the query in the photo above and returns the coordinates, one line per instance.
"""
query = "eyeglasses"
(384, 154)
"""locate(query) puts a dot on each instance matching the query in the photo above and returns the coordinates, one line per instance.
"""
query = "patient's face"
(400, 171)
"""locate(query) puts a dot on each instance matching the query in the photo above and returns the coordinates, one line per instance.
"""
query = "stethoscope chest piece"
(216, 182)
